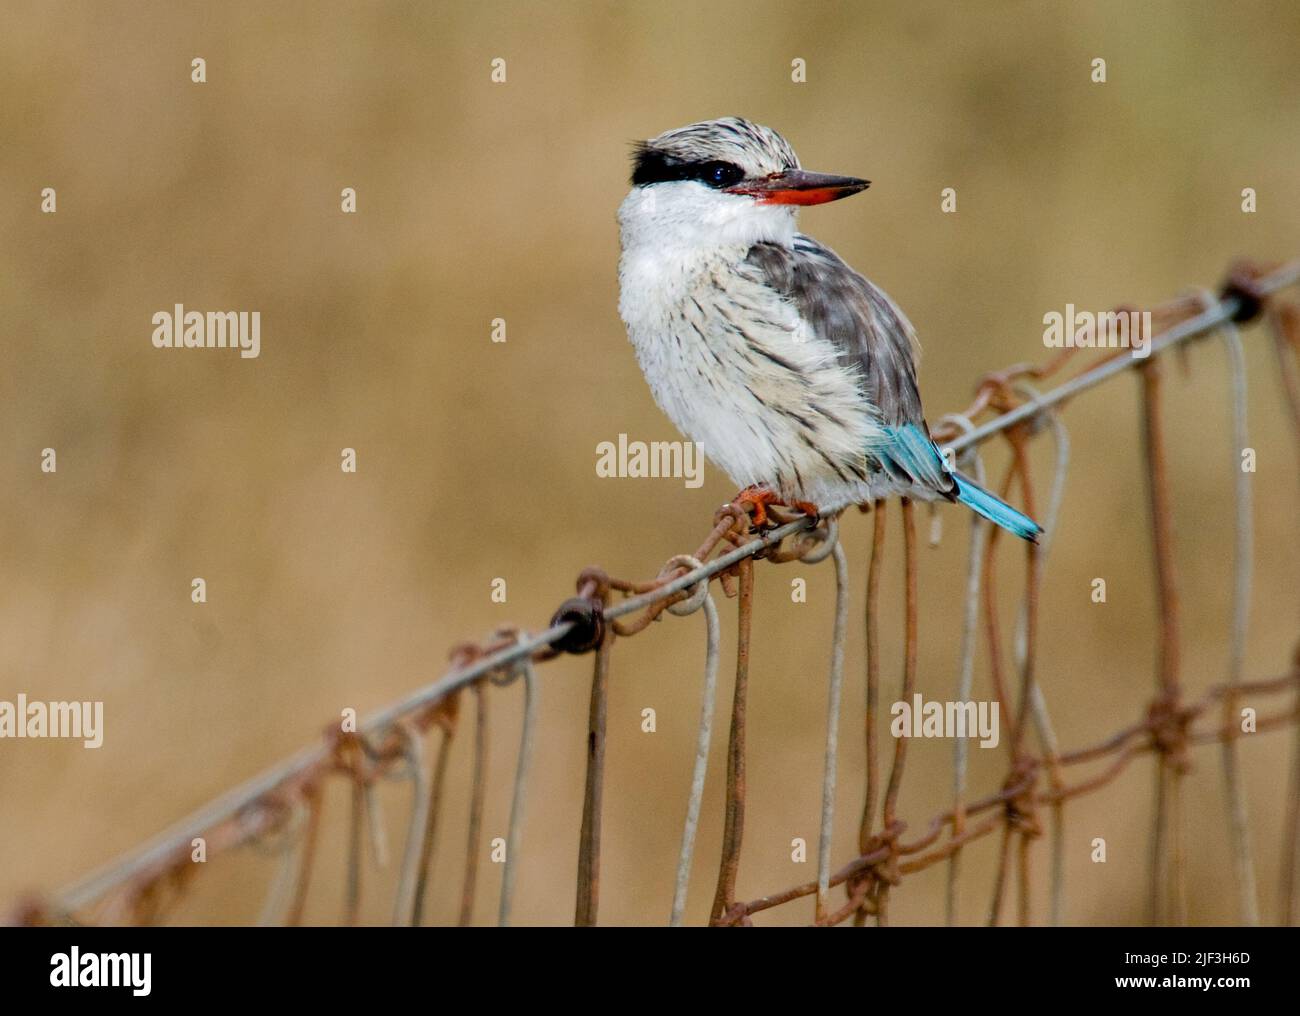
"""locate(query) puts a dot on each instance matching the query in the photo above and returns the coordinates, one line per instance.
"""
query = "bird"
(793, 373)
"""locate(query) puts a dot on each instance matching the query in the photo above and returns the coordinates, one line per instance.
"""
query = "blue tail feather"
(909, 454)
(910, 449)
(995, 509)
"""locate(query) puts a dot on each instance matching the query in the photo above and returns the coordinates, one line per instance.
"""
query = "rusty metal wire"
(833, 698)
(700, 596)
(972, 462)
(280, 810)
(1239, 822)
(527, 736)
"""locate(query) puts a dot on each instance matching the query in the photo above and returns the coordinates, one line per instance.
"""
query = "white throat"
(687, 215)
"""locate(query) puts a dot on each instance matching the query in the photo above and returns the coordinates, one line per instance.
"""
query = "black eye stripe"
(657, 167)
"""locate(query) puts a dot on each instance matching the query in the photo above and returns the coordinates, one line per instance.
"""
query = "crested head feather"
(753, 148)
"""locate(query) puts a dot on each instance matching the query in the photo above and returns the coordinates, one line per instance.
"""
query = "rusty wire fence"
(281, 809)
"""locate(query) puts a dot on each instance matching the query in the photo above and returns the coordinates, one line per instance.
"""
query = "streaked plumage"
(790, 369)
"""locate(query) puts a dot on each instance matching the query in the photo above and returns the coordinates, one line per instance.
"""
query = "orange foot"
(755, 500)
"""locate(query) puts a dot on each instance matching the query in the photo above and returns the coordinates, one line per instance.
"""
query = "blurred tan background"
(476, 460)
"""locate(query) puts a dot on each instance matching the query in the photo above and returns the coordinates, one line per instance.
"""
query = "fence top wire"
(1247, 288)
(1229, 308)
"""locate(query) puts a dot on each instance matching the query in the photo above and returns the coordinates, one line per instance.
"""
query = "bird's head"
(721, 182)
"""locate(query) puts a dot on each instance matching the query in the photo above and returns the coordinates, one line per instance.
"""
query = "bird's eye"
(722, 174)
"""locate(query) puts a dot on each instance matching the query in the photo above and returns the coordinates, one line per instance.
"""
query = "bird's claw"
(809, 509)
(755, 500)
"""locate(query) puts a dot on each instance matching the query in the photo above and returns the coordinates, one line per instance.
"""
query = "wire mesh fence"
(279, 812)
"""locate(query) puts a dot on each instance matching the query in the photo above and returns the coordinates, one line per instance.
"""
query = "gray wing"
(842, 307)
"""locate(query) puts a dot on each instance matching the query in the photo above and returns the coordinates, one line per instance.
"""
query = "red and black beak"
(799, 187)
